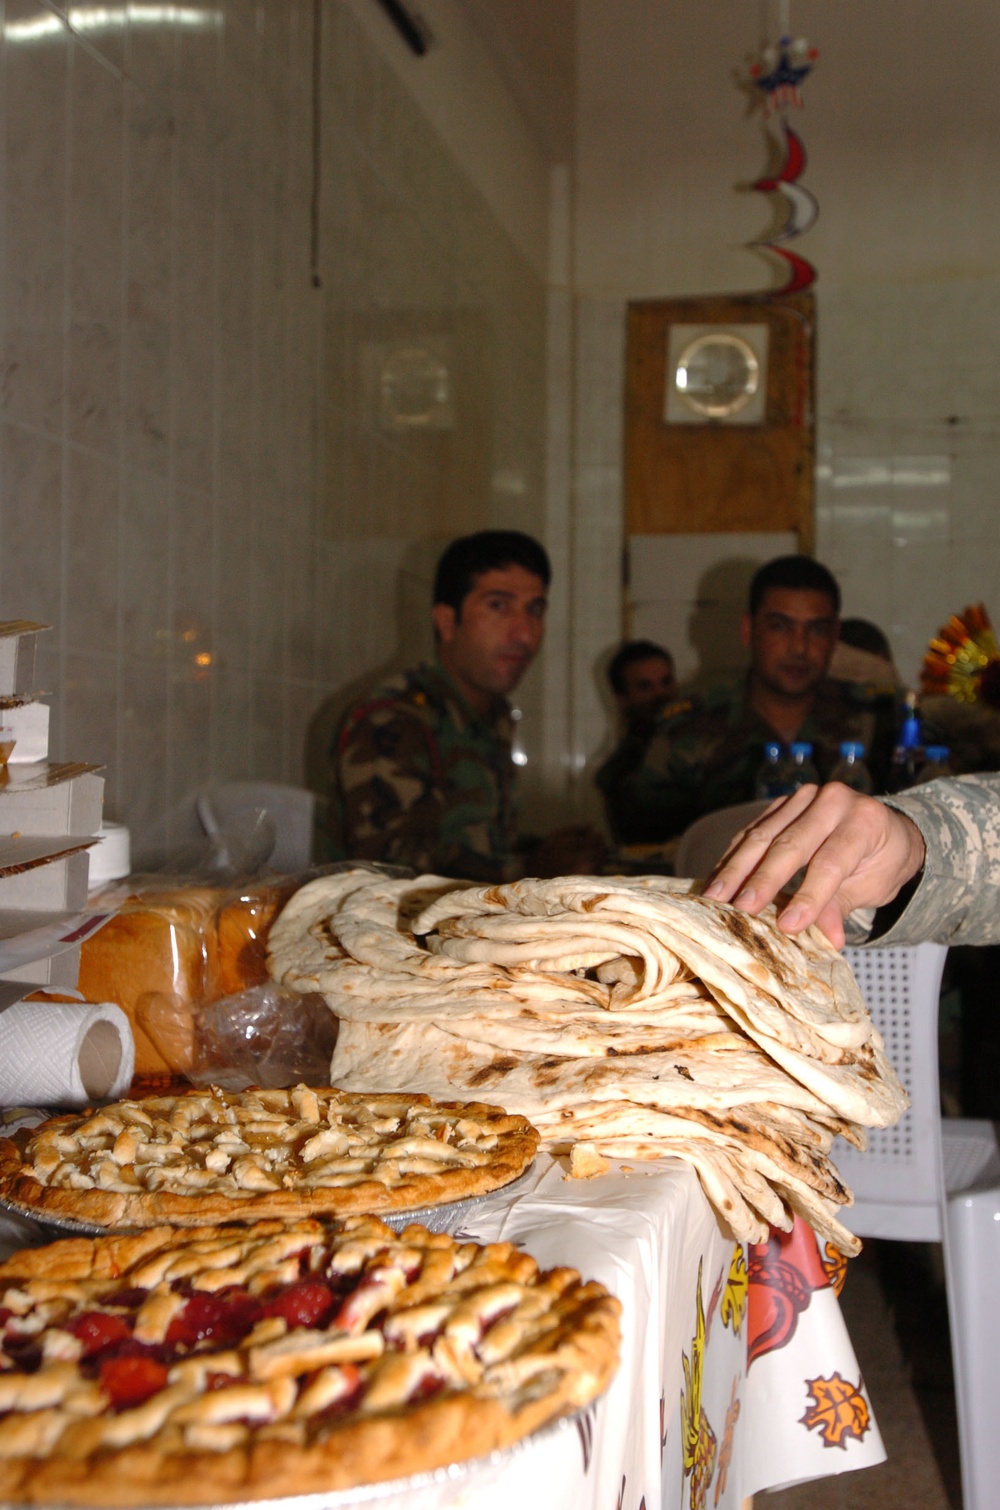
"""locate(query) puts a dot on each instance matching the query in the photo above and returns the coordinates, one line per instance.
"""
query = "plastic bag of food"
(158, 947)
(266, 1036)
(176, 946)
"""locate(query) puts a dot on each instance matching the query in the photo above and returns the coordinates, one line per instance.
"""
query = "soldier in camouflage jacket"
(423, 774)
(422, 780)
(706, 752)
(707, 757)
(957, 898)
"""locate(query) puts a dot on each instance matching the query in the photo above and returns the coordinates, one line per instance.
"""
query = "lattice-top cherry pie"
(172, 1367)
(211, 1155)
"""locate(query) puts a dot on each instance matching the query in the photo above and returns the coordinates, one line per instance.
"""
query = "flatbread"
(628, 1015)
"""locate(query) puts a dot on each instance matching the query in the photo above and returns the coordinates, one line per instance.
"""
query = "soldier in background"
(644, 684)
(863, 654)
(708, 757)
(423, 774)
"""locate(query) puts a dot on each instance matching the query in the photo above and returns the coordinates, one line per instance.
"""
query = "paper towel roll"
(61, 1054)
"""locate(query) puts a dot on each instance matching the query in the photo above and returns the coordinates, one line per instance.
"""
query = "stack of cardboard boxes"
(50, 814)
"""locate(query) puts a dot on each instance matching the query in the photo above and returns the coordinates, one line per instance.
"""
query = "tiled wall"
(907, 246)
(197, 486)
(906, 493)
(909, 466)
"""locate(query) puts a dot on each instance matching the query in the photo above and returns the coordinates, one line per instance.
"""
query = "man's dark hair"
(799, 572)
(488, 550)
(862, 634)
(627, 655)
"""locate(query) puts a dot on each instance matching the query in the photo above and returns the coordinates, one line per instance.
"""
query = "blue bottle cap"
(852, 749)
(802, 750)
(909, 734)
(772, 750)
(938, 754)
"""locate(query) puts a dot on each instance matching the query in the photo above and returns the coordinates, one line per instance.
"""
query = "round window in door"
(717, 375)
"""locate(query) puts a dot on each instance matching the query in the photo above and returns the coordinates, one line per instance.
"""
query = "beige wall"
(196, 487)
(197, 491)
(900, 124)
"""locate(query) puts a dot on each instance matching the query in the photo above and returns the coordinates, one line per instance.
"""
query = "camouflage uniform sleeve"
(958, 898)
(393, 807)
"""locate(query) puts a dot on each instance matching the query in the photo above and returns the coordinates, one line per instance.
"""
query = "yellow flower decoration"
(700, 1445)
(734, 1297)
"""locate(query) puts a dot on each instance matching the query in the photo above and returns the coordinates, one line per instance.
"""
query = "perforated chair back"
(932, 1181)
(233, 809)
(898, 1183)
(706, 840)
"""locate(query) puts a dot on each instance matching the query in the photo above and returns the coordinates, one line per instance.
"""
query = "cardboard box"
(31, 939)
(17, 655)
(29, 725)
(46, 798)
(60, 970)
(55, 885)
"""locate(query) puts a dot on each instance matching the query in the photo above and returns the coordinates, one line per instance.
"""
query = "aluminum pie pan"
(421, 1491)
(443, 1218)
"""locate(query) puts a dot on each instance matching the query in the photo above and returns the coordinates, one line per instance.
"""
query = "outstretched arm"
(857, 852)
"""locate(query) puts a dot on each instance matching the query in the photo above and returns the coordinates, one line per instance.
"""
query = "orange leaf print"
(835, 1267)
(704, 1466)
(726, 1450)
(839, 1411)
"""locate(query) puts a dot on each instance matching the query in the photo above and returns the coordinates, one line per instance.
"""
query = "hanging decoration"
(777, 74)
(963, 659)
(781, 70)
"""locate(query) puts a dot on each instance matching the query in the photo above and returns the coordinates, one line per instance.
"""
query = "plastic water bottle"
(801, 771)
(937, 762)
(908, 755)
(851, 768)
(772, 777)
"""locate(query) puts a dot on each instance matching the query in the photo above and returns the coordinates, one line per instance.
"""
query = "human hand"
(857, 851)
(576, 850)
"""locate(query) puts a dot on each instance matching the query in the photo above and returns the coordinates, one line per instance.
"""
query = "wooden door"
(714, 476)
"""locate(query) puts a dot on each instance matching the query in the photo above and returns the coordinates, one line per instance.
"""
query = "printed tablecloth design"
(688, 1423)
(737, 1373)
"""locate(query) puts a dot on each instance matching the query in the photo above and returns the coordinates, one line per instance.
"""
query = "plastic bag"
(174, 948)
(267, 1035)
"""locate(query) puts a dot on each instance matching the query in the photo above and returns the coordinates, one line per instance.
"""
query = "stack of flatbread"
(625, 1017)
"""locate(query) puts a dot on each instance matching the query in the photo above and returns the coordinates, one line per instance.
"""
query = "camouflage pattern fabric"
(420, 780)
(958, 898)
(707, 756)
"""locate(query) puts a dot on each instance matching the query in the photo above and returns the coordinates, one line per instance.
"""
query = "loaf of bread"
(157, 959)
(241, 929)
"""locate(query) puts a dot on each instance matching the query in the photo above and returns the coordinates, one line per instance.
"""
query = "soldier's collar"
(500, 709)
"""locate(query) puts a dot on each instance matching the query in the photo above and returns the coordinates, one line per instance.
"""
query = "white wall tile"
(196, 490)
(31, 543)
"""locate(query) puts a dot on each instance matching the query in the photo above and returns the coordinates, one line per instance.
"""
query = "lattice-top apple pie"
(210, 1155)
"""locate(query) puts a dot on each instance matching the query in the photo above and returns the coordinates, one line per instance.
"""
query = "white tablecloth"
(686, 1423)
(737, 1372)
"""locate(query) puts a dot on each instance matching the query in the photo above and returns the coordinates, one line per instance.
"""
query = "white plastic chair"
(236, 812)
(706, 840)
(928, 1180)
